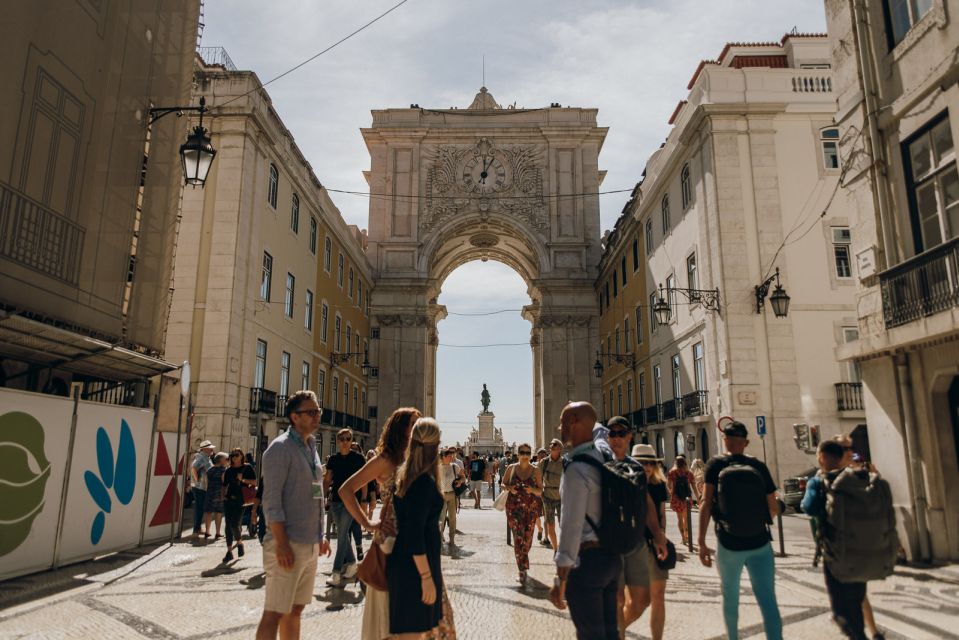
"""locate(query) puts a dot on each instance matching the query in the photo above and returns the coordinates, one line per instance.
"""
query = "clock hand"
(484, 174)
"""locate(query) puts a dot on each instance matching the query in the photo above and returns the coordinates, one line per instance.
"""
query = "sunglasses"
(618, 434)
(525, 453)
(648, 463)
(344, 438)
(310, 412)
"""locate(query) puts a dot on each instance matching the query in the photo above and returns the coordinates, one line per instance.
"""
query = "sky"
(631, 60)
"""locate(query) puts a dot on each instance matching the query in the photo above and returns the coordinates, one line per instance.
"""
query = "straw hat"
(644, 452)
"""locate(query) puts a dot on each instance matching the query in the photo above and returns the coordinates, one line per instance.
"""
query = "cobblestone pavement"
(183, 592)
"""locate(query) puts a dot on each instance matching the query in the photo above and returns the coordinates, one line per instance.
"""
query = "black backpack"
(741, 500)
(681, 487)
(623, 497)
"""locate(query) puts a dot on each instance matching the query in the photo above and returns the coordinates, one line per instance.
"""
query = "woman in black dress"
(413, 569)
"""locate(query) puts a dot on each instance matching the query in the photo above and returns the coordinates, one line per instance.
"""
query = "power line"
(312, 58)
(412, 197)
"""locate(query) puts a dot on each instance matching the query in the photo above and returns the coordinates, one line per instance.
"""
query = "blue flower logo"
(119, 476)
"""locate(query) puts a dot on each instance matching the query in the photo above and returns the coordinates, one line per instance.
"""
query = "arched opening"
(679, 443)
(703, 444)
(483, 301)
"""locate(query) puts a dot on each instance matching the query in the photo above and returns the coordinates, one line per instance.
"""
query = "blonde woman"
(413, 569)
(382, 467)
(698, 469)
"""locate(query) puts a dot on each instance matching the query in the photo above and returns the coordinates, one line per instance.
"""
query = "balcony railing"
(216, 56)
(695, 404)
(262, 401)
(129, 394)
(670, 410)
(281, 406)
(639, 418)
(922, 286)
(652, 414)
(849, 396)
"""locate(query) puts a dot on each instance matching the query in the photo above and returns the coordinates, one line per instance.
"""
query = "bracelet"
(426, 576)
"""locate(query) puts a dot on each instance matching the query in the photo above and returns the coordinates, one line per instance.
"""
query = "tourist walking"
(200, 465)
(293, 506)
(681, 485)
(551, 471)
(741, 494)
(213, 506)
(645, 581)
(451, 476)
(698, 469)
(587, 575)
(341, 465)
(237, 477)
(413, 569)
(477, 470)
(523, 506)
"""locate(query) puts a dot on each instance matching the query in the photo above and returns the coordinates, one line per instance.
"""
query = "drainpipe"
(913, 456)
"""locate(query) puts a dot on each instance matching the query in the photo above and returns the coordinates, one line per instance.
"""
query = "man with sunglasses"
(341, 465)
(551, 468)
(293, 507)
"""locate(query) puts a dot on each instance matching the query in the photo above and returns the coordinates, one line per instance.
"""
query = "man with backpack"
(856, 532)
(551, 468)
(741, 495)
(593, 535)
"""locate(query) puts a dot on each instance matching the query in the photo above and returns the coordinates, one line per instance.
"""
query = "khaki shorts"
(288, 587)
(551, 510)
(640, 568)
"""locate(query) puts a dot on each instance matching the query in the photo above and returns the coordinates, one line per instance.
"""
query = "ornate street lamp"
(779, 300)
(197, 153)
(342, 358)
(663, 311)
(623, 358)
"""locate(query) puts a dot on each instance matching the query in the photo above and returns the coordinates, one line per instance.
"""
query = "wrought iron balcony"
(695, 403)
(639, 419)
(327, 417)
(849, 396)
(921, 286)
(652, 414)
(262, 401)
(670, 409)
(281, 406)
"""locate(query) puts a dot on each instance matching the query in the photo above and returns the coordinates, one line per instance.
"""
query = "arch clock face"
(484, 174)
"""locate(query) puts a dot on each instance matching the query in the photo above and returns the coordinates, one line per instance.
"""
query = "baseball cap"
(736, 430)
(617, 420)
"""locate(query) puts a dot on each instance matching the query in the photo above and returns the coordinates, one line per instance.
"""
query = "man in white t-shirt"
(451, 476)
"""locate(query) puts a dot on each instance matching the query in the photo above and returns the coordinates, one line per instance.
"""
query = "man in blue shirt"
(845, 598)
(293, 504)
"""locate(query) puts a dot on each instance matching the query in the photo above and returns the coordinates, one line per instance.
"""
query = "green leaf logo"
(24, 471)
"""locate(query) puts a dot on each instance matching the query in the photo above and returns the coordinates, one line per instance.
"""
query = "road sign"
(761, 425)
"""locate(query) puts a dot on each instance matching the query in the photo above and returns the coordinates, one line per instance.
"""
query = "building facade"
(897, 99)
(269, 278)
(88, 192)
(743, 186)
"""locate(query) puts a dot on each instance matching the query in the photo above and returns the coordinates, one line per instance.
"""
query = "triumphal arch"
(514, 185)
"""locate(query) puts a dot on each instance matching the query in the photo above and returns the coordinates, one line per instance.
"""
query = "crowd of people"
(406, 494)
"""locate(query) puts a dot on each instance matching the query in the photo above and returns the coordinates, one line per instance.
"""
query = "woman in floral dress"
(523, 506)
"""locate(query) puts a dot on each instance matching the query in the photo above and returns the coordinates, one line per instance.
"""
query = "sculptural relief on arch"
(484, 183)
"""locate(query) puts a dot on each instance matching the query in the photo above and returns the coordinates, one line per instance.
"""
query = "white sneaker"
(349, 571)
(336, 580)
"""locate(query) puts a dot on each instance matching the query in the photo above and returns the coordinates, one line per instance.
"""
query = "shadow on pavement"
(256, 582)
(534, 589)
(337, 598)
(223, 569)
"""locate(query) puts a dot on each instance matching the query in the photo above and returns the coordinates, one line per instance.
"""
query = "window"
(611, 405)
(324, 321)
(657, 384)
(606, 289)
(626, 333)
(284, 374)
(349, 335)
(677, 380)
(359, 292)
(618, 344)
(295, 214)
(336, 391)
(629, 396)
(622, 271)
(362, 402)
(699, 367)
(328, 255)
(685, 186)
(274, 186)
(652, 316)
(901, 15)
(841, 239)
(639, 326)
(660, 445)
(312, 235)
(671, 294)
(829, 139)
(692, 276)
(308, 315)
(305, 376)
(346, 396)
(609, 350)
(259, 371)
(615, 285)
(337, 325)
(664, 209)
(339, 272)
(619, 399)
(933, 184)
(853, 372)
(349, 290)
(635, 255)
(266, 279)
(355, 400)
(288, 301)
(367, 312)
(321, 386)
(679, 443)
(649, 237)
(642, 388)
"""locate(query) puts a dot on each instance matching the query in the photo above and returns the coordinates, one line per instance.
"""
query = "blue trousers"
(199, 499)
(591, 594)
(344, 546)
(761, 566)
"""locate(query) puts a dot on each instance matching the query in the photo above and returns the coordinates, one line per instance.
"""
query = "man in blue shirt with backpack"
(741, 495)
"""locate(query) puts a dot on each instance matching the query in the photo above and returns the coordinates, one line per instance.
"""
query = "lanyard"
(310, 459)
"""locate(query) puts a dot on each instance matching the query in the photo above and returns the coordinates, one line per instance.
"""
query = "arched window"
(274, 186)
(686, 187)
(829, 139)
(664, 207)
(295, 214)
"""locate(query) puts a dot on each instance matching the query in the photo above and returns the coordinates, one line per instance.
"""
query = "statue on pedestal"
(485, 398)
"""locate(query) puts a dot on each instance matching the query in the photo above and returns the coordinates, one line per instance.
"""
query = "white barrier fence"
(80, 479)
